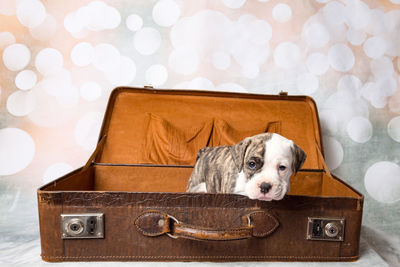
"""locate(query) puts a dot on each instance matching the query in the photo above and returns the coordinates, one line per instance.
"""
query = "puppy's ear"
(298, 158)
(239, 151)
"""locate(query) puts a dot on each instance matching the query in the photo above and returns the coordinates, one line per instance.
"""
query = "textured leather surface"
(255, 224)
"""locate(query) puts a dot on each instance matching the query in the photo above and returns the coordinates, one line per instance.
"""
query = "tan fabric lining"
(169, 129)
(174, 179)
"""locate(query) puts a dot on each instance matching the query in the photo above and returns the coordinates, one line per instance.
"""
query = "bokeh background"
(61, 59)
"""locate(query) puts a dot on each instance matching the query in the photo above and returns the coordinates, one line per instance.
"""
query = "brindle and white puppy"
(258, 167)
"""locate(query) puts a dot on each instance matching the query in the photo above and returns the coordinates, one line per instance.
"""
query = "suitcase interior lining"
(168, 128)
(130, 178)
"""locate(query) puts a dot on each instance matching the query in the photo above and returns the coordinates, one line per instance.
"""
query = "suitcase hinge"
(282, 93)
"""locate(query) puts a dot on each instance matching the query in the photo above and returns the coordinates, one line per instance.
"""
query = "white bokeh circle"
(31, 13)
(106, 57)
(26, 80)
(46, 30)
(357, 14)
(147, 41)
(17, 150)
(359, 129)
(287, 55)
(333, 13)
(21, 103)
(350, 83)
(48, 60)
(82, 54)
(317, 63)
(221, 60)
(329, 122)
(124, 73)
(184, 60)
(393, 129)
(282, 13)
(166, 12)
(316, 35)
(16, 57)
(134, 22)
(87, 130)
(382, 67)
(55, 171)
(382, 181)
(375, 47)
(156, 75)
(356, 37)
(6, 39)
(234, 3)
(90, 91)
(333, 152)
(341, 57)
(307, 83)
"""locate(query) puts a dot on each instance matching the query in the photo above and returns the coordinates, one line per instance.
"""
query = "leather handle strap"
(157, 223)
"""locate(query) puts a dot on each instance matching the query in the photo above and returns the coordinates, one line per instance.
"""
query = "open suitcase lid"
(168, 127)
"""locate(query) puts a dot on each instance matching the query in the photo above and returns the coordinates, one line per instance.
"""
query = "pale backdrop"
(61, 59)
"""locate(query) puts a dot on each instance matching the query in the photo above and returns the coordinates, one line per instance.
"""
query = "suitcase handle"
(255, 224)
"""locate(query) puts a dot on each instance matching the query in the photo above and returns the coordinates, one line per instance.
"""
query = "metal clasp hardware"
(149, 86)
(282, 93)
(176, 220)
(78, 226)
(326, 229)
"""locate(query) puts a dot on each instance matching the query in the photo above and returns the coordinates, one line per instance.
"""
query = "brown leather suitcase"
(128, 203)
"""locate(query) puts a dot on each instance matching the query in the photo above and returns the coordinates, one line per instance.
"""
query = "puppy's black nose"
(265, 187)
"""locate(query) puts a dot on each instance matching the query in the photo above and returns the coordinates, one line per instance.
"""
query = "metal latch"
(77, 226)
(327, 229)
(282, 93)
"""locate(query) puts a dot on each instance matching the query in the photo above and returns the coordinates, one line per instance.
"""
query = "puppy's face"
(267, 162)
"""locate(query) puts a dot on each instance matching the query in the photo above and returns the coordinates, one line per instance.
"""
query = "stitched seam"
(215, 230)
(200, 257)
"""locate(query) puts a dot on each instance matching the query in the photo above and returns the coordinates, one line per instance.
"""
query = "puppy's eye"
(282, 168)
(252, 165)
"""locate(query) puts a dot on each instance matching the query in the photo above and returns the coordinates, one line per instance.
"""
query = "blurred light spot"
(333, 152)
(359, 129)
(307, 83)
(393, 129)
(282, 12)
(147, 41)
(82, 54)
(16, 57)
(317, 63)
(48, 60)
(124, 73)
(341, 57)
(21, 103)
(382, 181)
(25, 80)
(134, 22)
(234, 3)
(46, 30)
(156, 75)
(55, 171)
(31, 13)
(287, 55)
(106, 57)
(184, 60)
(90, 91)
(17, 150)
(6, 39)
(87, 130)
(375, 47)
(166, 12)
